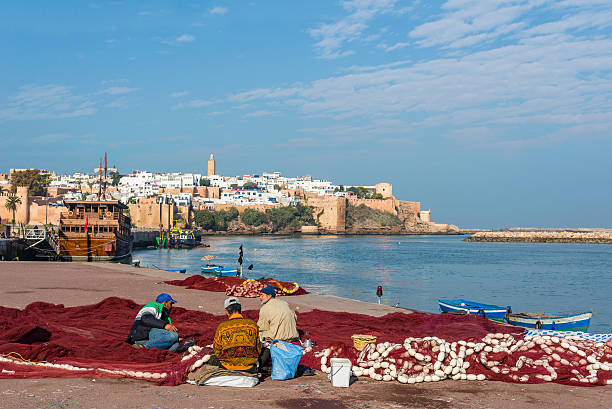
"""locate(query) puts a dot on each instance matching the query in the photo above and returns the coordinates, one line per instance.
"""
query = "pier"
(600, 237)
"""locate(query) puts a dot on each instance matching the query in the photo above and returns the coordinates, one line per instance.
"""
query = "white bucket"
(340, 374)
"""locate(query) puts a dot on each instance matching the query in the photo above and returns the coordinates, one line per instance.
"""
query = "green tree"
(205, 219)
(204, 182)
(11, 204)
(252, 217)
(115, 178)
(250, 185)
(35, 182)
(280, 217)
(304, 213)
(217, 220)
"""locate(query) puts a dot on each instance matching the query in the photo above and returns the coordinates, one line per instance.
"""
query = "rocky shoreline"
(542, 237)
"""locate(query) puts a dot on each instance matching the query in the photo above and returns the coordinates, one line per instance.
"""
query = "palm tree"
(11, 204)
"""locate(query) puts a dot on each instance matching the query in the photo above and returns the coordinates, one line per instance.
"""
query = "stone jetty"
(542, 237)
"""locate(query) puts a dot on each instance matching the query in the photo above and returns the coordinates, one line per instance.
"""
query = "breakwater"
(542, 237)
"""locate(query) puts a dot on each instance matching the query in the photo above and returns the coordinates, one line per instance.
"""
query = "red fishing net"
(87, 341)
(238, 287)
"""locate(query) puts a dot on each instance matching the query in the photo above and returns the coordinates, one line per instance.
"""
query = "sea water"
(416, 271)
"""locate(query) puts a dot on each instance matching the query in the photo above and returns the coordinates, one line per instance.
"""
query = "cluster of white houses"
(265, 189)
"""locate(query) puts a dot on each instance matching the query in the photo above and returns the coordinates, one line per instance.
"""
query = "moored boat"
(218, 270)
(461, 306)
(557, 322)
(94, 231)
(172, 270)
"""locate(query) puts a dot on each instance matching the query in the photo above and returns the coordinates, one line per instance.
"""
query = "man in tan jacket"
(276, 319)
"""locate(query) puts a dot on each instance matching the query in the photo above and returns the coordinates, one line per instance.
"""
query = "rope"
(604, 321)
(21, 358)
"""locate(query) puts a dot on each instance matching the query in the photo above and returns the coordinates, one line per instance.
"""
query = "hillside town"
(156, 199)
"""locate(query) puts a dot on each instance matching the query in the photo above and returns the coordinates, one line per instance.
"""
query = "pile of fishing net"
(239, 287)
(496, 356)
(48, 340)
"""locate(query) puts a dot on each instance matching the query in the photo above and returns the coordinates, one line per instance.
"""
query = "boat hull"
(218, 270)
(577, 322)
(461, 306)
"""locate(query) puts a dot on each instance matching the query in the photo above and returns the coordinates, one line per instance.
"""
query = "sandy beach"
(74, 284)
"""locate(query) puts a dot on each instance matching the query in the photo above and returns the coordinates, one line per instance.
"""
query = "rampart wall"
(329, 212)
(384, 205)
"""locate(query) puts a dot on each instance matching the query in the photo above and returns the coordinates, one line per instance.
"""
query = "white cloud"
(45, 102)
(332, 37)
(478, 20)
(194, 103)
(185, 38)
(258, 114)
(219, 10)
(118, 103)
(394, 46)
(179, 94)
(118, 90)
(51, 138)
(550, 81)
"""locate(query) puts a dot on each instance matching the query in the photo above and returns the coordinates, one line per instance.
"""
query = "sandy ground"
(81, 283)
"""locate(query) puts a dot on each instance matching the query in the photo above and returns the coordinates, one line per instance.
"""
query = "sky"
(493, 113)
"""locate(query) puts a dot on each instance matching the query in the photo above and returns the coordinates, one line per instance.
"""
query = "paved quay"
(75, 284)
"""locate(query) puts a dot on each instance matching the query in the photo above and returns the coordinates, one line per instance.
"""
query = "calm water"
(417, 271)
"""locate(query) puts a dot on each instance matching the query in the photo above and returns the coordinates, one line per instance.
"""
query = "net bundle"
(239, 287)
(496, 356)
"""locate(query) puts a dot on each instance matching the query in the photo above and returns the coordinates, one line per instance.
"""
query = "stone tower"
(211, 165)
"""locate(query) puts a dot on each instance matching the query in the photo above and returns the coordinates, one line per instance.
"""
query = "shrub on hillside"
(365, 216)
(252, 217)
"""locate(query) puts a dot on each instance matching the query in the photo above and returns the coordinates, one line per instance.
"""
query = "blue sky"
(491, 113)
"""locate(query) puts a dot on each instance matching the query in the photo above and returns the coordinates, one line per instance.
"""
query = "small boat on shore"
(461, 306)
(218, 270)
(178, 270)
(557, 322)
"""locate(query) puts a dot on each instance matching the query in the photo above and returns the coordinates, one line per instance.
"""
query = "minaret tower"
(211, 165)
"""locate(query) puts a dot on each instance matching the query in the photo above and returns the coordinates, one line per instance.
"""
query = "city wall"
(384, 205)
(146, 213)
(31, 210)
(329, 212)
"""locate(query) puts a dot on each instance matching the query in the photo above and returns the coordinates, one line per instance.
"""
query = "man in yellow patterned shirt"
(236, 345)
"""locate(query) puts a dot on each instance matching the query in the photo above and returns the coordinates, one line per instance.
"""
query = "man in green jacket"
(153, 327)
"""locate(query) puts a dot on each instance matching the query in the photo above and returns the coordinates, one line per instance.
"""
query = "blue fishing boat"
(218, 270)
(177, 270)
(461, 306)
(560, 322)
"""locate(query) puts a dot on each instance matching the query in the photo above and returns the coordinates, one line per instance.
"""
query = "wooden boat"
(218, 270)
(94, 231)
(560, 322)
(461, 306)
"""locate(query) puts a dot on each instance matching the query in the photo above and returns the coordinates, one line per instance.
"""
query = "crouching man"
(153, 328)
(236, 345)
